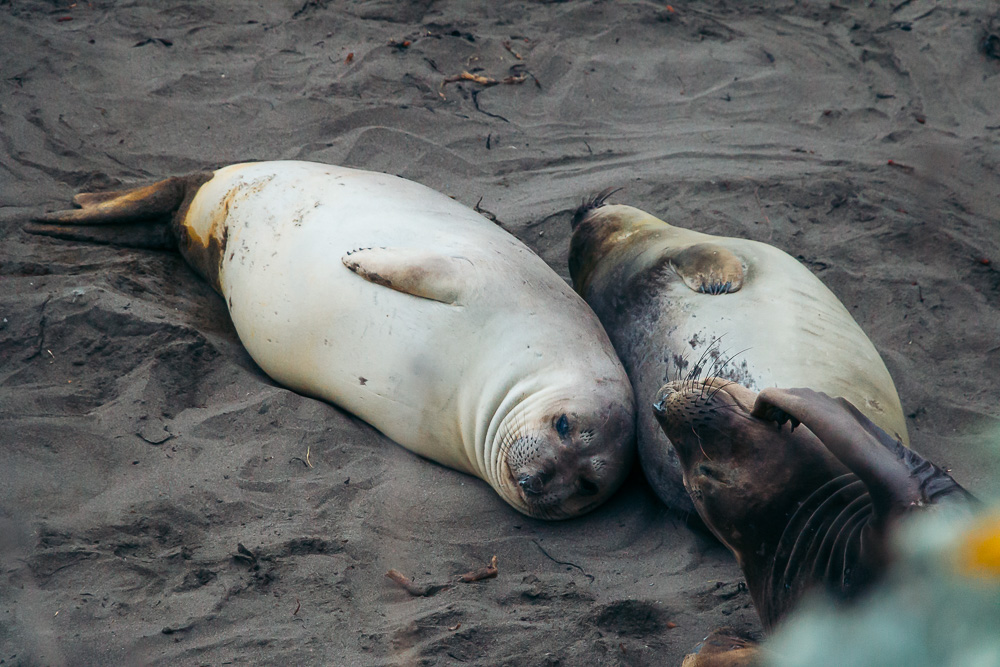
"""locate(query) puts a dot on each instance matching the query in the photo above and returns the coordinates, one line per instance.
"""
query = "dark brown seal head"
(798, 507)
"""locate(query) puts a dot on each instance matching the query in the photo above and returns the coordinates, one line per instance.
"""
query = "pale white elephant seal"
(679, 304)
(407, 309)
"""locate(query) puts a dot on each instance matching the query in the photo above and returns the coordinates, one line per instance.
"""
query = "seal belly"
(316, 327)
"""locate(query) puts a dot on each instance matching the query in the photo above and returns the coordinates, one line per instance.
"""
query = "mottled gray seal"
(798, 507)
(678, 303)
(407, 309)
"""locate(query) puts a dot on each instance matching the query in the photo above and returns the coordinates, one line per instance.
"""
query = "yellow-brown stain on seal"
(601, 234)
(203, 243)
(203, 253)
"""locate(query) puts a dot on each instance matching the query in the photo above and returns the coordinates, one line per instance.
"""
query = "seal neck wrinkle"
(828, 540)
(501, 421)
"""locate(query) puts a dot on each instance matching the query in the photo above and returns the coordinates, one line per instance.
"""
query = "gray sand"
(140, 445)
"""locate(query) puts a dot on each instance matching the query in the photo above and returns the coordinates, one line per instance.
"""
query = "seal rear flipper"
(422, 273)
(851, 437)
(135, 217)
(146, 235)
(708, 268)
(133, 205)
(726, 647)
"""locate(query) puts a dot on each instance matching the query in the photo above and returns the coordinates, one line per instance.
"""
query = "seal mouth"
(688, 411)
(537, 488)
(712, 393)
(536, 500)
(526, 491)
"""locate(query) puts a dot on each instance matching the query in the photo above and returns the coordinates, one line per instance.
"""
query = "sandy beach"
(163, 502)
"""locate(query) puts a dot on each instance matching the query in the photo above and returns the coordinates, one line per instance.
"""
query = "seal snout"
(663, 396)
(533, 484)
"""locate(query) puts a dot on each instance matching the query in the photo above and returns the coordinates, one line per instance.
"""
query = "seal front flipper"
(422, 273)
(863, 447)
(708, 268)
(726, 647)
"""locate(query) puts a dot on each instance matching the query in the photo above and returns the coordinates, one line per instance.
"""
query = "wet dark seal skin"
(798, 507)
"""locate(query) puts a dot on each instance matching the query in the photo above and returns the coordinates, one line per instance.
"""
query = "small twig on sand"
(483, 80)
(415, 589)
(562, 562)
(506, 45)
(770, 227)
(488, 572)
(905, 167)
(427, 590)
(489, 215)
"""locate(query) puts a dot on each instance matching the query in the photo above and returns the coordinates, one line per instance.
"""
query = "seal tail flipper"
(422, 273)
(726, 647)
(145, 235)
(122, 206)
(851, 437)
(135, 217)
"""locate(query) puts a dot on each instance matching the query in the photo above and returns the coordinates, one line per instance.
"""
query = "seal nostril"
(533, 484)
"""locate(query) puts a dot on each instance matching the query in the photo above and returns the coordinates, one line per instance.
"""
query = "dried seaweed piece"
(484, 80)
(506, 45)
(414, 589)
(488, 572)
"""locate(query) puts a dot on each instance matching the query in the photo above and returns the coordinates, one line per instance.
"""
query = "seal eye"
(562, 427)
(588, 488)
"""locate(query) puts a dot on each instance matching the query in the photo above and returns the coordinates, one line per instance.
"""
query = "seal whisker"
(731, 357)
(726, 383)
(716, 345)
(718, 368)
(698, 437)
(695, 372)
(716, 357)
